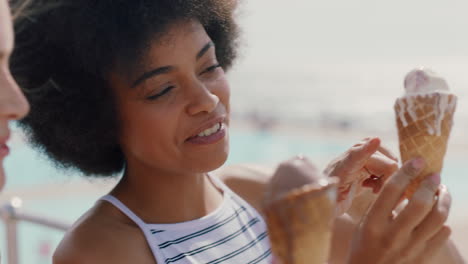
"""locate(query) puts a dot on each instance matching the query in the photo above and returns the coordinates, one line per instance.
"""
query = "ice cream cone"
(300, 224)
(424, 122)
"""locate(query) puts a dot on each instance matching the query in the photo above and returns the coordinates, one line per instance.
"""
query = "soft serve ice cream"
(423, 82)
(424, 118)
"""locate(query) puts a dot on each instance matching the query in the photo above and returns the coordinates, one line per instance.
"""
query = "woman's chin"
(218, 165)
(211, 164)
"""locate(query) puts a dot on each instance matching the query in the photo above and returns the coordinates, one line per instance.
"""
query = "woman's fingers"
(388, 153)
(358, 155)
(381, 168)
(413, 235)
(381, 165)
(418, 206)
(377, 160)
(382, 149)
(381, 211)
(437, 241)
(436, 218)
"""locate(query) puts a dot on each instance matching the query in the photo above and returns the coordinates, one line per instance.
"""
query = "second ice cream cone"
(299, 224)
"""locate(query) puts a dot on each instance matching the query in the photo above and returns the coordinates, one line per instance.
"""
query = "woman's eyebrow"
(167, 69)
(204, 50)
(151, 74)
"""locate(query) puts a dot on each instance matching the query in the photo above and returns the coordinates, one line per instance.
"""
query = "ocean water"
(321, 65)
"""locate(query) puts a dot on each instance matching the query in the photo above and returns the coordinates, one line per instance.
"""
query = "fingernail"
(435, 178)
(417, 164)
(371, 141)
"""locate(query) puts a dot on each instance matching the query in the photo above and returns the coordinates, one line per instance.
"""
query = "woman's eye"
(211, 69)
(163, 92)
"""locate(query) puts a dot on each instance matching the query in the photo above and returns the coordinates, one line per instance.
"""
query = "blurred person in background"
(13, 104)
(138, 87)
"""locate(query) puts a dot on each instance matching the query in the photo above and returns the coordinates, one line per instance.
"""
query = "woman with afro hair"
(137, 89)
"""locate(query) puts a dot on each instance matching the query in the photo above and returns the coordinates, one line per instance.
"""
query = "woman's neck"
(158, 197)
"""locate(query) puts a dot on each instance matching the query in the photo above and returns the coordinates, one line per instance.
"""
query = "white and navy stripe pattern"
(233, 233)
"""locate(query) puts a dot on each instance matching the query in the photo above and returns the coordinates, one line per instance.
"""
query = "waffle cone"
(299, 224)
(424, 123)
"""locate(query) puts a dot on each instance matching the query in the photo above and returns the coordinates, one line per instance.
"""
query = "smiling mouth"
(208, 134)
(210, 131)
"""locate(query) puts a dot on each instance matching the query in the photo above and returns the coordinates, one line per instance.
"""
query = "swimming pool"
(26, 170)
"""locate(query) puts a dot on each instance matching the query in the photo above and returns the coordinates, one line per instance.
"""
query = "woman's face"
(13, 105)
(174, 110)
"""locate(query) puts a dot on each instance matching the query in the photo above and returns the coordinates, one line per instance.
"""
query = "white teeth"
(210, 131)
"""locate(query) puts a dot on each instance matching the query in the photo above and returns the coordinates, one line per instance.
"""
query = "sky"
(365, 29)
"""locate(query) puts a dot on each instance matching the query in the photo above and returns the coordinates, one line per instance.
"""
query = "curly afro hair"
(64, 52)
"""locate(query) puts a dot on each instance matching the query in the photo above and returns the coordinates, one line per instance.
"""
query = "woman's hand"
(415, 234)
(366, 164)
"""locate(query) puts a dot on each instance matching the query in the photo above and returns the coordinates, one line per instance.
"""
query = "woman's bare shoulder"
(101, 235)
(247, 180)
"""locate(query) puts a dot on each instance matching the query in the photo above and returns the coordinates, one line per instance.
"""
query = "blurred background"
(313, 77)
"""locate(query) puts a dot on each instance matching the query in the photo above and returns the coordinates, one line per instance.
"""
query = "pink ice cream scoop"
(423, 80)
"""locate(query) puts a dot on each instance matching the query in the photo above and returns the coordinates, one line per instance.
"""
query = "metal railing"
(11, 214)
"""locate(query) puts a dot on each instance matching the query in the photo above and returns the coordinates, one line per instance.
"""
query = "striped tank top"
(234, 233)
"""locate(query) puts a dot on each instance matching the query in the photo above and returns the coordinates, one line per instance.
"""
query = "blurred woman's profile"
(13, 104)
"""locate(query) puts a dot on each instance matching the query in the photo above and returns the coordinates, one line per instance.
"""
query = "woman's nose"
(13, 104)
(202, 100)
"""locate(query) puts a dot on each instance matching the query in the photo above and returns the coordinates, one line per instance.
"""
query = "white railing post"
(8, 214)
(11, 214)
